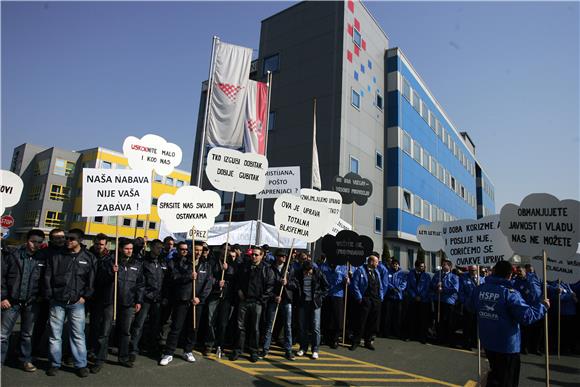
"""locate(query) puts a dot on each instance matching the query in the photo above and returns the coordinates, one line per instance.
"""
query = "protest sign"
(11, 186)
(429, 235)
(339, 226)
(565, 270)
(152, 152)
(329, 199)
(280, 180)
(108, 192)
(475, 242)
(189, 208)
(353, 188)
(7, 221)
(347, 246)
(542, 222)
(300, 219)
(233, 171)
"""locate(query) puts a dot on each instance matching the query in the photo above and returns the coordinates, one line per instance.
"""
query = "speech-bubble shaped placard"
(329, 199)
(152, 152)
(300, 219)
(189, 208)
(429, 235)
(11, 187)
(542, 222)
(475, 242)
(109, 192)
(565, 270)
(339, 226)
(347, 247)
(280, 180)
(353, 188)
(231, 170)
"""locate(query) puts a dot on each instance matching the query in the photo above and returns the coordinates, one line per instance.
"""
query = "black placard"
(353, 188)
(347, 246)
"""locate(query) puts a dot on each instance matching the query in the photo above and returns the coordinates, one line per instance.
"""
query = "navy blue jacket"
(12, 276)
(384, 272)
(419, 289)
(500, 310)
(397, 284)
(450, 285)
(467, 285)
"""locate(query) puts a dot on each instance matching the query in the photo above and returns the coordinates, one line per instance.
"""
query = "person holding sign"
(68, 283)
(22, 273)
(183, 277)
(130, 289)
(500, 310)
(368, 292)
(419, 296)
(445, 288)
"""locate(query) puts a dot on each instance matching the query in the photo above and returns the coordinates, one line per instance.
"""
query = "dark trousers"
(369, 320)
(249, 313)
(392, 318)
(332, 318)
(469, 329)
(419, 320)
(504, 369)
(39, 339)
(153, 311)
(445, 325)
(96, 322)
(125, 316)
(219, 312)
(182, 325)
(532, 336)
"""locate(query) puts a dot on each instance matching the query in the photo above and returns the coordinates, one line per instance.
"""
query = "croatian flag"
(255, 118)
(225, 120)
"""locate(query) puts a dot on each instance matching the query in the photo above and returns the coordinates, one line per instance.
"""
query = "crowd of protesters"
(153, 298)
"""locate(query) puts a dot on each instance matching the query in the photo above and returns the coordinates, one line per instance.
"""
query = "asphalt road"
(394, 363)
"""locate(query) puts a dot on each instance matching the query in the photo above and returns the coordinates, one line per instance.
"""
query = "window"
(416, 101)
(426, 210)
(98, 219)
(443, 135)
(54, 219)
(120, 166)
(127, 222)
(169, 180)
(36, 192)
(64, 168)
(112, 220)
(407, 201)
(417, 205)
(440, 215)
(355, 99)
(434, 166)
(140, 223)
(356, 38)
(272, 121)
(272, 63)
(417, 151)
(462, 192)
(179, 183)
(425, 161)
(397, 253)
(410, 258)
(378, 225)
(152, 225)
(106, 164)
(440, 172)
(406, 90)
(31, 218)
(353, 164)
(424, 112)
(154, 201)
(59, 192)
(407, 143)
(41, 167)
(437, 126)
(158, 178)
(378, 160)
(379, 100)
(452, 183)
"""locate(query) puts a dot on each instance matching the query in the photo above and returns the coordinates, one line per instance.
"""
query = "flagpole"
(312, 244)
(215, 40)
(261, 200)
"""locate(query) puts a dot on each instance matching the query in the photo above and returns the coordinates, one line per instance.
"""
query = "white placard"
(108, 192)
(280, 180)
(152, 152)
(11, 186)
(329, 199)
(430, 236)
(339, 226)
(542, 222)
(230, 170)
(189, 208)
(566, 270)
(475, 242)
(300, 219)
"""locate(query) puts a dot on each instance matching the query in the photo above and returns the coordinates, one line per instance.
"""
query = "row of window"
(421, 208)
(445, 135)
(419, 154)
(355, 99)
(488, 188)
(354, 162)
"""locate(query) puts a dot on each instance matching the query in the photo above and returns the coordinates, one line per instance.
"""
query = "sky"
(77, 75)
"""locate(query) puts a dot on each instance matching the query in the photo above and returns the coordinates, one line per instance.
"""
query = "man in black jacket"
(68, 283)
(22, 273)
(130, 285)
(254, 285)
(183, 277)
(155, 274)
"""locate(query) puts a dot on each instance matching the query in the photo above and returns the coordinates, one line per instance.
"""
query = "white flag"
(255, 120)
(315, 167)
(225, 120)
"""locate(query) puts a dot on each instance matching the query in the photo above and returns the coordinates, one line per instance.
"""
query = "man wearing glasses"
(68, 283)
(22, 271)
(254, 285)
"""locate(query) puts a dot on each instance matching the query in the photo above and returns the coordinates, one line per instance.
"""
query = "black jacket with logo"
(130, 286)
(69, 276)
(264, 282)
(157, 277)
(181, 281)
(12, 276)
